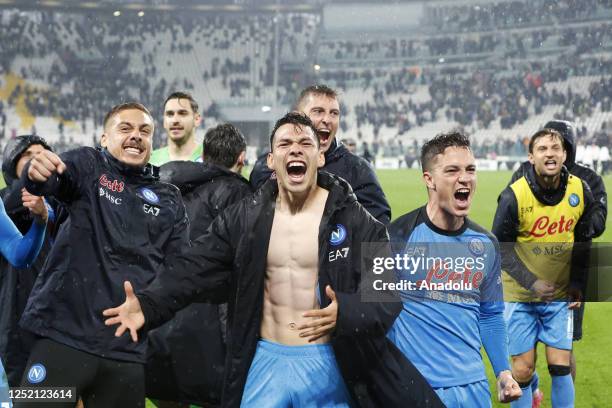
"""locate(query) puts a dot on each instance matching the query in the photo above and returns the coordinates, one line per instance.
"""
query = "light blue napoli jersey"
(450, 280)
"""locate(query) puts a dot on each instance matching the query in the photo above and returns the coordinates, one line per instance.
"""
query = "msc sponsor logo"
(37, 373)
(114, 185)
(338, 235)
(115, 200)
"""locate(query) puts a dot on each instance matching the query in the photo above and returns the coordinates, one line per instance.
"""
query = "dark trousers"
(99, 382)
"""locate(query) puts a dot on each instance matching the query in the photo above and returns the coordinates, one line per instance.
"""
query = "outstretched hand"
(324, 320)
(129, 315)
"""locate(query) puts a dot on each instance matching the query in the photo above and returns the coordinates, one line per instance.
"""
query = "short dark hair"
(545, 132)
(222, 145)
(438, 144)
(183, 95)
(314, 90)
(297, 119)
(125, 106)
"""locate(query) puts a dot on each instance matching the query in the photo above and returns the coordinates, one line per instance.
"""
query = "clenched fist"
(43, 165)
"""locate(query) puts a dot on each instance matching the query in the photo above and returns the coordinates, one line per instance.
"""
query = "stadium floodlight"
(117, 13)
(266, 108)
(317, 67)
(140, 13)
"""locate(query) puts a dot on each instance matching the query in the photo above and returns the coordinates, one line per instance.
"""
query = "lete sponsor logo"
(544, 226)
(114, 185)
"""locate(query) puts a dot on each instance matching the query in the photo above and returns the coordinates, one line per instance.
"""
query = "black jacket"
(122, 225)
(15, 287)
(599, 211)
(506, 221)
(354, 169)
(230, 262)
(186, 355)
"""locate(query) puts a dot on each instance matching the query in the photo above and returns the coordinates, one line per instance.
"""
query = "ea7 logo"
(150, 209)
(339, 253)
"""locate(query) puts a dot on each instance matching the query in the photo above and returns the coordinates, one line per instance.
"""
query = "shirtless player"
(298, 331)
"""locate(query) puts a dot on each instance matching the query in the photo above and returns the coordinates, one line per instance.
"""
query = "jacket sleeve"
(202, 272)
(369, 193)
(368, 312)
(583, 233)
(66, 186)
(260, 173)
(179, 240)
(599, 212)
(505, 229)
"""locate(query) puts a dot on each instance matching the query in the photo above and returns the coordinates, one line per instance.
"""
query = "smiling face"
(451, 180)
(128, 137)
(180, 121)
(547, 155)
(324, 112)
(295, 157)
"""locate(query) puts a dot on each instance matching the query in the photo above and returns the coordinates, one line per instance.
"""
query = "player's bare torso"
(292, 271)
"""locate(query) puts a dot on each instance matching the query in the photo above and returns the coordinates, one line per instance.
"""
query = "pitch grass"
(405, 191)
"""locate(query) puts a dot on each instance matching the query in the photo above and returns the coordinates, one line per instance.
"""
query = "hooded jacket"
(229, 261)
(599, 211)
(16, 283)
(123, 223)
(354, 169)
(190, 348)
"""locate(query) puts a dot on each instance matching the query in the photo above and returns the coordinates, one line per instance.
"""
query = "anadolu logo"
(476, 246)
(574, 200)
(37, 373)
(149, 195)
(338, 235)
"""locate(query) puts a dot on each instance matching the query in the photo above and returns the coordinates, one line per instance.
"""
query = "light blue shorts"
(474, 395)
(528, 323)
(294, 376)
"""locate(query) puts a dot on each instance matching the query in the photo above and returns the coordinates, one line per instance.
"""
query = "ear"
(198, 119)
(270, 161)
(321, 160)
(530, 158)
(429, 182)
(564, 155)
(241, 158)
(104, 140)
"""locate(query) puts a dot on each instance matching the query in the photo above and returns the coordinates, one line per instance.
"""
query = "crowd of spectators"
(95, 61)
(503, 43)
(468, 17)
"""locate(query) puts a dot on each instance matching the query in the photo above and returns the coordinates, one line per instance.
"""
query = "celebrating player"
(181, 119)
(542, 212)
(123, 223)
(441, 332)
(288, 261)
(596, 219)
(320, 103)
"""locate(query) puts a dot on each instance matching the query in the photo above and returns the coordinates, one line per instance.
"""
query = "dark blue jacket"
(122, 225)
